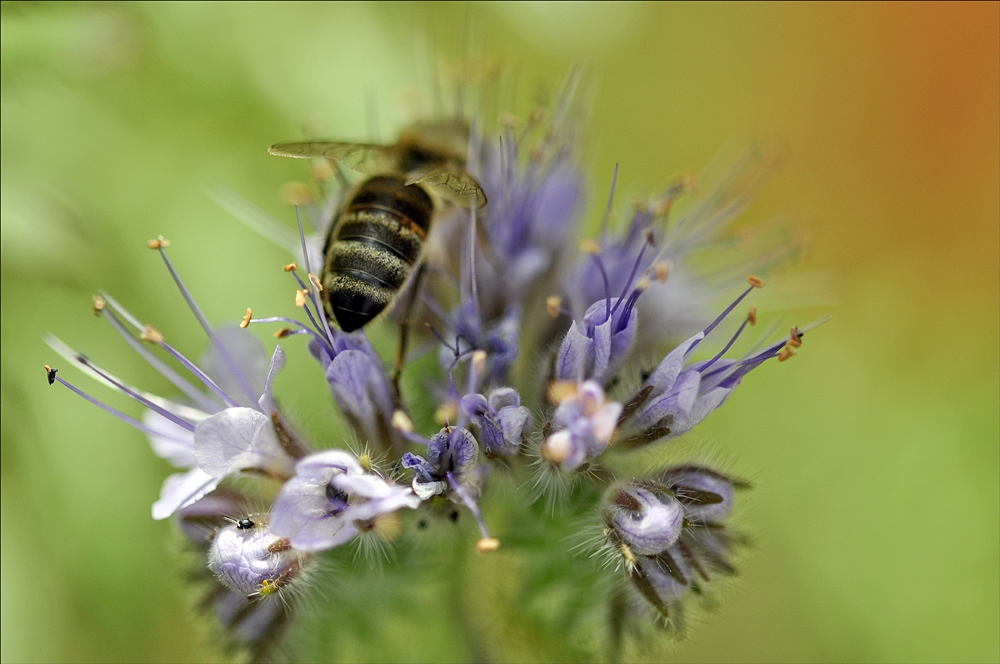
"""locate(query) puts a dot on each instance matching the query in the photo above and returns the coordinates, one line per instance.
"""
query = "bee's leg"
(404, 334)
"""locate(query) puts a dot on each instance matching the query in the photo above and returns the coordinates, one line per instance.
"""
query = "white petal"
(238, 438)
(181, 489)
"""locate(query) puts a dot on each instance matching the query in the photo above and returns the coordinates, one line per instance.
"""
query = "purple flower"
(452, 455)
(500, 341)
(678, 395)
(451, 470)
(331, 499)
(690, 250)
(586, 424)
(501, 419)
(596, 347)
(536, 194)
(359, 383)
(254, 560)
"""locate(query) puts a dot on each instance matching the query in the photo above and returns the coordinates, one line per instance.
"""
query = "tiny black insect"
(244, 524)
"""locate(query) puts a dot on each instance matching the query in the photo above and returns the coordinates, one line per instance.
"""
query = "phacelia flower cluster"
(543, 373)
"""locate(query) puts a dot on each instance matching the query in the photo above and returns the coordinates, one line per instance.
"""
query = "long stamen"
(105, 407)
(199, 374)
(454, 349)
(209, 330)
(303, 329)
(315, 296)
(469, 503)
(607, 286)
(179, 421)
(177, 355)
(725, 313)
(751, 362)
(630, 305)
(179, 382)
(309, 312)
(472, 260)
(728, 345)
(611, 203)
(631, 276)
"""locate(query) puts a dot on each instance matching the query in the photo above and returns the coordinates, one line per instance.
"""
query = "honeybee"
(377, 239)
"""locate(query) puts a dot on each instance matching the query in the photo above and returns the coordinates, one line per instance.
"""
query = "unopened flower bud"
(253, 561)
(648, 521)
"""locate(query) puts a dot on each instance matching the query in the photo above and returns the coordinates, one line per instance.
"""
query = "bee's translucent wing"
(363, 157)
(455, 185)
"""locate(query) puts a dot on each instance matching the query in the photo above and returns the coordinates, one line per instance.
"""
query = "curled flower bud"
(501, 419)
(670, 533)
(647, 520)
(253, 561)
(451, 451)
(586, 423)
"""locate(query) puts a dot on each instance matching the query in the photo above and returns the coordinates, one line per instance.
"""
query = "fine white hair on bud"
(249, 559)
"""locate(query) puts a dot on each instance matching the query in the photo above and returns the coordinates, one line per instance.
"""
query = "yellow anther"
(560, 390)
(387, 526)
(301, 297)
(509, 121)
(402, 422)
(487, 544)
(556, 448)
(446, 412)
(661, 271)
(365, 461)
(314, 280)
(786, 353)
(553, 304)
(291, 267)
(627, 553)
(479, 360)
(151, 335)
(246, 318)
(752, 315)
(97, 304)
(795, 337)
(295, 193)
(590, 246)
(282, 333)
(756, 282)
(159, 243)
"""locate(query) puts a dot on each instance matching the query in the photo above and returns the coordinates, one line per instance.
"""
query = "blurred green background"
(875, 452)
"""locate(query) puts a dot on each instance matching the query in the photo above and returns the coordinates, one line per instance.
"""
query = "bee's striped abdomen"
(373, 248)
